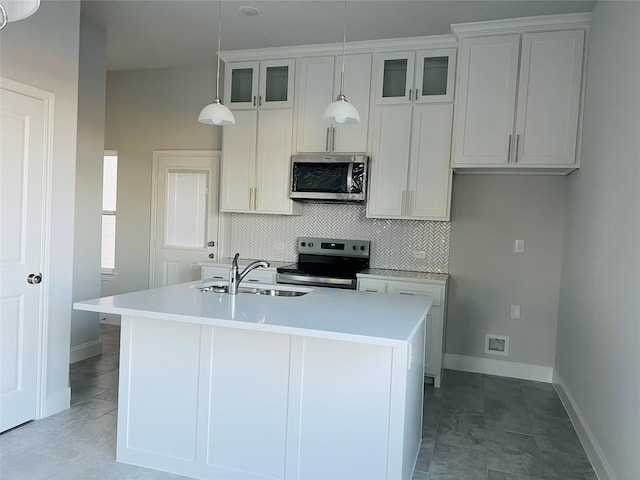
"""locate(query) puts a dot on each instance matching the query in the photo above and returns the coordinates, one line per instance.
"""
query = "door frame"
(47, 98)
(224, 219)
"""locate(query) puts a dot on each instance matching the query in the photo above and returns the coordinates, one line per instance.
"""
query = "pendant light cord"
(218, 53)
(344, 44)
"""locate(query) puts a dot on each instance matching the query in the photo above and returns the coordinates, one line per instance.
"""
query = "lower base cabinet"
(435, 324)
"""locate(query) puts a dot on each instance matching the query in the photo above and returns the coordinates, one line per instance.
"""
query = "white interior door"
(23, 153)
(185, 223)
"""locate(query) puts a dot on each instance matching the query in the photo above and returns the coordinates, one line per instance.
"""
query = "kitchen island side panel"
(205, 401)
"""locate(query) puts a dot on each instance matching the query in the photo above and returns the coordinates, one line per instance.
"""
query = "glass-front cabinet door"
(435, 75)
(251, 85)
(409, 77)
(395, 78)
(276, 83)
(241, 84)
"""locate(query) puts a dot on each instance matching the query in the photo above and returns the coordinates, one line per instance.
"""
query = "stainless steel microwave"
(329, 178)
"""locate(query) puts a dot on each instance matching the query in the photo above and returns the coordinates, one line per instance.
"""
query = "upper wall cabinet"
(518, 102)
(318, 86)
(259, 84)
(425, 76)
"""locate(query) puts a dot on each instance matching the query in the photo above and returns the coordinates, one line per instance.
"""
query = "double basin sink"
(269, 291)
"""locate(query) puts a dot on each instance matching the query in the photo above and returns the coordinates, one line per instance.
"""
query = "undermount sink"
(270, 292)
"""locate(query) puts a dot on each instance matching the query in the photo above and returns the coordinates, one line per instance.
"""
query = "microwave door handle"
(350, 178)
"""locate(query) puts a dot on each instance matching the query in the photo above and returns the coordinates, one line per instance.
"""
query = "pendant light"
(216, 113)
(341, 111)
(14, 10)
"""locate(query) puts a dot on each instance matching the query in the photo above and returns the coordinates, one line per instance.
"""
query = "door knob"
(34, 278)
(211, 244)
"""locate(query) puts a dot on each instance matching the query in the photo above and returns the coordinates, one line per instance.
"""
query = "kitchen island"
(326, 385)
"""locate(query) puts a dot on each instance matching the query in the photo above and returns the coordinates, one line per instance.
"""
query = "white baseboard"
(57, 402)
(501, 368)
(85, 350)
(594, 452)
(110, 319)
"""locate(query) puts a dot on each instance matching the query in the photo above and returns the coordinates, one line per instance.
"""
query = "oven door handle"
(306, 280)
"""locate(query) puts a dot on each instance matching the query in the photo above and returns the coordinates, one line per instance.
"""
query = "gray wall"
(598, 353)
(42, 51)
(150, 110)
(88, 205)
(489, 212)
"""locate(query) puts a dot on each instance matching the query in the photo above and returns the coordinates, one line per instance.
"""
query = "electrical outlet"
(519, 246)
(496, 344)
(278, 245)
(515, 311)
(419, 254)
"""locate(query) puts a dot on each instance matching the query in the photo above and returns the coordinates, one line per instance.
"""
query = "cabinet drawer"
(411, 288)
(260, 276)
(377, 286)
(215, 273)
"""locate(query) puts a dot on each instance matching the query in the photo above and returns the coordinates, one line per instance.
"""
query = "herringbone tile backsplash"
(392, 241)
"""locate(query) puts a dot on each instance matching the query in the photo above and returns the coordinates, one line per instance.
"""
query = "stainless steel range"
(326, 262)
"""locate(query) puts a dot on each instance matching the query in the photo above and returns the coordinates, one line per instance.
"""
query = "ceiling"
(143, 34)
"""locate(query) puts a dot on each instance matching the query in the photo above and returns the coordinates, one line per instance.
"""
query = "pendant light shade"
(216, 113)
(341, 111)
(14, 10)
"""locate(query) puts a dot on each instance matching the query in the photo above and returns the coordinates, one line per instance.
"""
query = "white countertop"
(385, 274)
(330, 313)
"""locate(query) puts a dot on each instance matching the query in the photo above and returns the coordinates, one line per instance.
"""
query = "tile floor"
(475, 427)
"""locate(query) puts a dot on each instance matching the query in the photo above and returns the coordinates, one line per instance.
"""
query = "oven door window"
(324, 177)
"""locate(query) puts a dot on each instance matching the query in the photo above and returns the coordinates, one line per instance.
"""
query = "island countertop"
(323, 312)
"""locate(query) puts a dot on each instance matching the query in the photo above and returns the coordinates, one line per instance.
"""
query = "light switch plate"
(515, 311)
(519, 246)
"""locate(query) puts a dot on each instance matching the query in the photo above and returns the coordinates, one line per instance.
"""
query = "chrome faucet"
(235, 278)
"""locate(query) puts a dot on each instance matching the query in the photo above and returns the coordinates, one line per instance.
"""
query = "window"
(109, 188)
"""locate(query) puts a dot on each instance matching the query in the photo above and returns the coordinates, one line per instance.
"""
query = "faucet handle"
(235, 261)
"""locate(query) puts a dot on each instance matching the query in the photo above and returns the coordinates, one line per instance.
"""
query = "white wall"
(598, 353)
(85, 340)
(489, 212)
(42, 51)
(149, 110)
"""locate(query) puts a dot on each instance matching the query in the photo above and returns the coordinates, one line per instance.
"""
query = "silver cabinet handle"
(250, 198)
(259, 100)
(326, 145)
(416, 94)
(409, 202)
(404, 203)
(333, 139)
(517, 148)
(34, 278)
(255, 198)
(509, 150)
(410, 92)
(254, 100)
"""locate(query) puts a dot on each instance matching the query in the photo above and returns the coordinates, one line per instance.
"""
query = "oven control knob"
(354, 247)
(310, 244)
(303, 244)
(362, 247)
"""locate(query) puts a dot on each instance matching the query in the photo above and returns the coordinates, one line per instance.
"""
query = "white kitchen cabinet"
(518, 102)
(436, 318)
(259, 84)
(424, 76)
(318, 86)
(256, 163)
(261, 275)
(410, 169)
